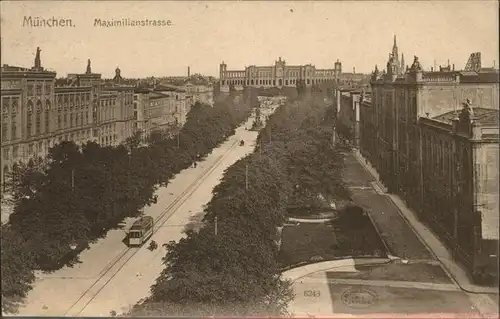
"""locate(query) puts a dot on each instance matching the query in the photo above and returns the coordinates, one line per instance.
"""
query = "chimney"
(189, 71)
(453, 66)
(353, 70)
(432, 69)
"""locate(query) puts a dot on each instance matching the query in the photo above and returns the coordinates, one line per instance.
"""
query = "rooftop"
(141, 91)
(480, 77)
(158, 95)
(12, 68)
(483, 116)
(168, 88)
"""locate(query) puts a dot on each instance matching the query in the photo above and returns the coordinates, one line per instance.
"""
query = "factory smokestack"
(189, 71)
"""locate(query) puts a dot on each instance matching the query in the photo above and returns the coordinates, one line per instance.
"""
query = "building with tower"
(280, 75)
(39, 111)
(433, 138)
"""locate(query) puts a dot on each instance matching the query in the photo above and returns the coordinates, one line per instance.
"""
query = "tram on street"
(141, 231)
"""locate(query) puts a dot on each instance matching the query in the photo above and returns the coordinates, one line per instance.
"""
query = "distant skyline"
(203, 34)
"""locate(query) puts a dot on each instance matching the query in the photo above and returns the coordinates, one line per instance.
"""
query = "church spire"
(402, 63)
(395, 48)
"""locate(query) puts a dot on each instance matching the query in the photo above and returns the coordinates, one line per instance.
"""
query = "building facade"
(280, 75)
(200, 93)
(421, 157)
(39, 111)
(348, 105)
(459, 193)
(162, 109)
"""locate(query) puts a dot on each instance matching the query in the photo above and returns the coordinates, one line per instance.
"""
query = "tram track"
(128, 253)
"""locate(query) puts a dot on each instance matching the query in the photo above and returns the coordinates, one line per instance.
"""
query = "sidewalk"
(347, 264)
(428, 238)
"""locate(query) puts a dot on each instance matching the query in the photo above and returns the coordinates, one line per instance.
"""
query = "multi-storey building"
(347, 103)
(280, 75)
(162, 109)
(178, 101)
(116, 115)
(440, 167)
(201, 93)
(39, 111)
(141, 103)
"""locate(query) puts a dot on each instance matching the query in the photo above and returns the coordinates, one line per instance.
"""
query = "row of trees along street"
(230, 266)
(74, 196)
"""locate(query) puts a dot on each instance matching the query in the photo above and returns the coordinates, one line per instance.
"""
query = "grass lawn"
(302, 242)
(312, 242)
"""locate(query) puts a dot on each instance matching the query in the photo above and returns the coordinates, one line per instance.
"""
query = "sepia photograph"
(294, 159)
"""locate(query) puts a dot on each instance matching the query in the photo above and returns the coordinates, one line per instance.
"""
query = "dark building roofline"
(141, 91)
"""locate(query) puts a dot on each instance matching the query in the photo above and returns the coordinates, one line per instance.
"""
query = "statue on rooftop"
(38, 62)
(416, 66)
(467, 113)
(89, 70)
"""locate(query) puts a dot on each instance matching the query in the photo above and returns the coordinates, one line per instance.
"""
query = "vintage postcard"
(250, 158)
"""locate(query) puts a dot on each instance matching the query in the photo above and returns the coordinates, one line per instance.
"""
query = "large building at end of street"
(433, 138)
(282, 75)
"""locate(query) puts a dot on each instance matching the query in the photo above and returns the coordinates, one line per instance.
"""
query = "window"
(13, 134)
(76, 119)
(65, 120)
(30, 149)
(4, 132)
(59, 122)
(15, 152)
(37, 123)
(86, 117)
(38, 117)
(6, 153)
(15, 104)
(71, 120)
(47, 119)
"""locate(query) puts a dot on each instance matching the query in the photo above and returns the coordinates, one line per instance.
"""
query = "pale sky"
(359, 33)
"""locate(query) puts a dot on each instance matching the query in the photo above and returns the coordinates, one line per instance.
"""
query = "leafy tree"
(17, 270)
(77, 194)
(134, 141)
(27, 178)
